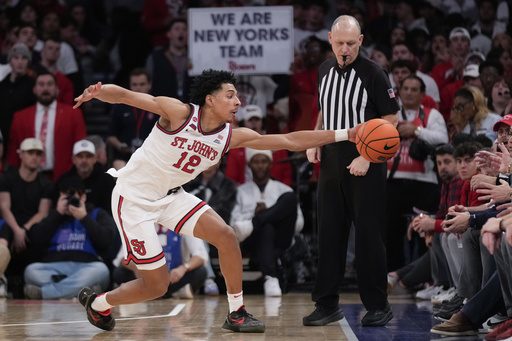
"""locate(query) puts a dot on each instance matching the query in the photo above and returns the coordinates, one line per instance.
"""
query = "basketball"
(377, 140)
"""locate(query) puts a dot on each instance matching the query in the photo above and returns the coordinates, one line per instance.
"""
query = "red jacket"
(69, 128)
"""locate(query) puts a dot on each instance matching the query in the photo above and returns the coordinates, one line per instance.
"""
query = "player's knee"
(226, 238)
(157, 289)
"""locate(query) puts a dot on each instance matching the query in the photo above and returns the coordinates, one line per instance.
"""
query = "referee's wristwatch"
(187, 266)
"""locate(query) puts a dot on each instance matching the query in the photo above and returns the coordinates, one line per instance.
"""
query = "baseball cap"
(507, 119)
(250, 153)
(471, 70)
(459, 32)
(252, 110)
(19, 48)
(475, 53)
(31, 144)
(84, 146)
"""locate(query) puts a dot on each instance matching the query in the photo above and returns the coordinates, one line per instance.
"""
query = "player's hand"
(359, 166)
(313, 154)
(352, 133)
(89, 93)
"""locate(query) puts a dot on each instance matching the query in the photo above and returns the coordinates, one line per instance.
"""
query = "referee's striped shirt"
(356, 94)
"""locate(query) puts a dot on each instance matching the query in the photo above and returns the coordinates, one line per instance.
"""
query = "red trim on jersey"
(130, 256)
(228, 140)
(182, 222)
(172, 132)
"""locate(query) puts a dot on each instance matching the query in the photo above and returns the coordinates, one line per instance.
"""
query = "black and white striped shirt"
(356, 94)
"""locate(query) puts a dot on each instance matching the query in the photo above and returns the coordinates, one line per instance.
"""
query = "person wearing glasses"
(470, 114)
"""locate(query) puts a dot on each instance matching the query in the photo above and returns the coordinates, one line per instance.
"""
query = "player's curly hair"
(208, 82)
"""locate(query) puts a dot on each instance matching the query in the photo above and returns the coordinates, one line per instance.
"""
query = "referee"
(351, 90)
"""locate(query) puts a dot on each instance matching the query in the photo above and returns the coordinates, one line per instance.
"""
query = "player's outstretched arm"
(296, 141)
(112, 93)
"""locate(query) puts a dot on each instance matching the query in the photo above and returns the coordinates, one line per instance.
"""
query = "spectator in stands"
(303, 85)
(437, 53)
(25, 199)
(487, 25)
(402, 51)
(130, 126)
(28, 34)
(156, 17)
(15, 89)
(471, 77)
(451, 70)
(56, 124)
(237, 168)
(29, 14)
(75, 235)
(169, 67)
(101, 149)
(266, 217)
(186, 258)
(412, 181)
(98, 185)
(490, 71)
(470, 114)
(433, 265)
(406, 15)
(49, 56)
(504, 57)
(381, 55)
(400, 70)
(501, 100)
(314, 15)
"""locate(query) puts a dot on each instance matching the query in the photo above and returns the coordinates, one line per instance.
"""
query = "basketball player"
(352, 90)
(187, 139)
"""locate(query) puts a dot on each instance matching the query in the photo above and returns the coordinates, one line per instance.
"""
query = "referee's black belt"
(173, 190)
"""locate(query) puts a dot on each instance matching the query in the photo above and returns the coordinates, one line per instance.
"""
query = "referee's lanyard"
(138, 119)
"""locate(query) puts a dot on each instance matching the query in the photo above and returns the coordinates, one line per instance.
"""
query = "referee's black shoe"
(376, 318)
(323, 316)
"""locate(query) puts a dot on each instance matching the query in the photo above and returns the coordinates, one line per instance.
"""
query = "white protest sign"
(245, 40)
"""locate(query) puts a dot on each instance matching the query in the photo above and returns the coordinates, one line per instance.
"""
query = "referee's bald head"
(344, 21)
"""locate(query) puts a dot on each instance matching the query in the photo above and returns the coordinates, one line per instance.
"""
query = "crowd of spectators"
(450, 65)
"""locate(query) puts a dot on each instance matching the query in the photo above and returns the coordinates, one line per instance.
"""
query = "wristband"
(341, 135)
(187, 266)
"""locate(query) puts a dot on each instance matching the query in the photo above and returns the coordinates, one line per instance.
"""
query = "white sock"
(235, 301)
(100, 303)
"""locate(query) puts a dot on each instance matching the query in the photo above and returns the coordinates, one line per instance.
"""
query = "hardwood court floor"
(202, 318)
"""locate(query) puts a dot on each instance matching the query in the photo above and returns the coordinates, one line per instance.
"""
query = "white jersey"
(169, 159)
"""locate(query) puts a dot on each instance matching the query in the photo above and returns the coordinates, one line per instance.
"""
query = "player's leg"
(211, 228)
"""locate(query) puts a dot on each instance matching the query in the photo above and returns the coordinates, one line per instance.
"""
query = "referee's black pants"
(343, 198)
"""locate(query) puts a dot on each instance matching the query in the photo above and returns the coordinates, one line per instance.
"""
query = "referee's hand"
(313, 154)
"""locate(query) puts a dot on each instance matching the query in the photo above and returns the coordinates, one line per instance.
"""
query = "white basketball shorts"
(136, 224)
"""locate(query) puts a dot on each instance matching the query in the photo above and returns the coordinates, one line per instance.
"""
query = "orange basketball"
(377, 140)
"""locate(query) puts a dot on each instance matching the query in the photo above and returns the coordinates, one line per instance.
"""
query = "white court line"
(173, 312)
(349, 333)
